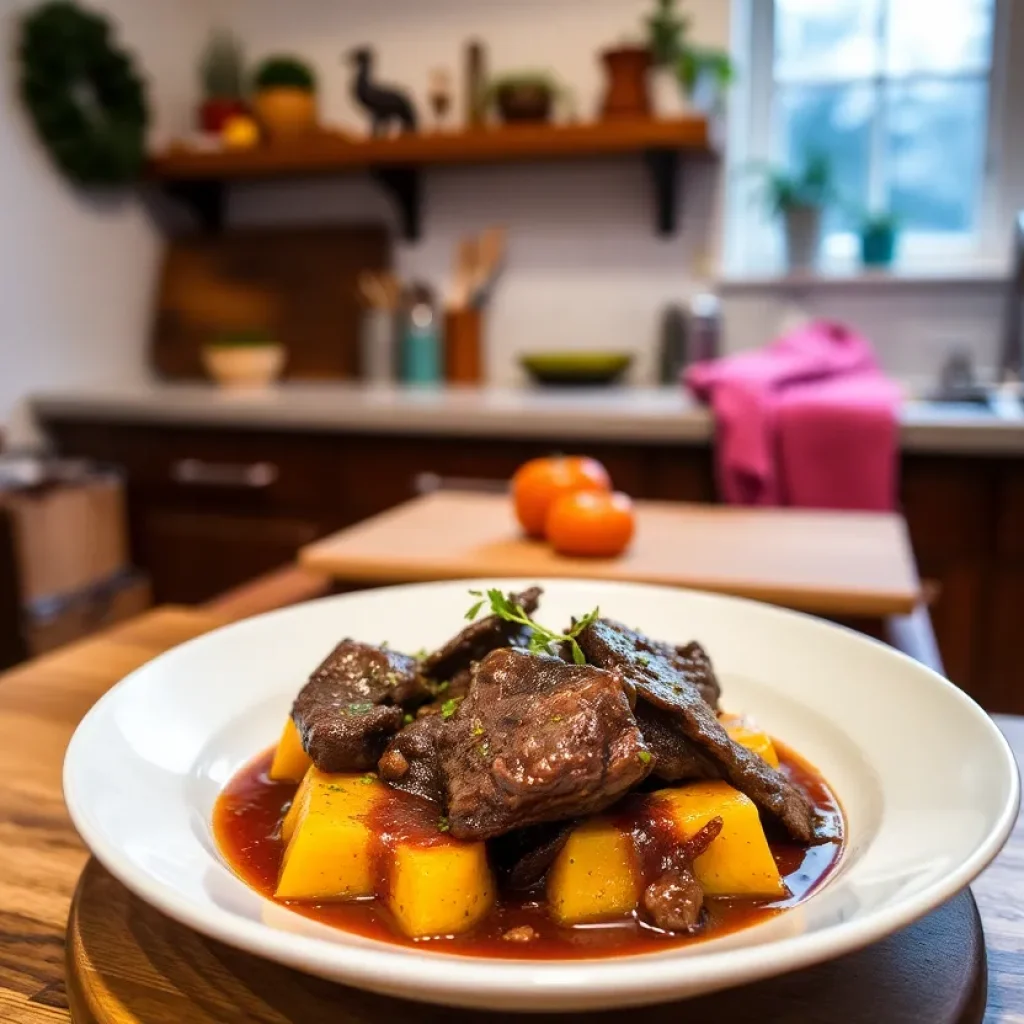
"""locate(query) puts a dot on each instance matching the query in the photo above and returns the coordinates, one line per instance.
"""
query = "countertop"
(664, 415)
(41, 856)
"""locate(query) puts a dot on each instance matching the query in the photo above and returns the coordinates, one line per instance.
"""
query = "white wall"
(77, 274)
(585, 268)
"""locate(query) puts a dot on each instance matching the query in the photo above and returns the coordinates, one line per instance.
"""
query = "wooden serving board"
(828, 563)
(128, 964)
(297, 283)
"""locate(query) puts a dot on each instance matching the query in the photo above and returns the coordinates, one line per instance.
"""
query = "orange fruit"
(539, 482)
(591, 524)
(240, 132)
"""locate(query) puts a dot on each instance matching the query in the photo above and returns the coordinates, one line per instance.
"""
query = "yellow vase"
(286, 113)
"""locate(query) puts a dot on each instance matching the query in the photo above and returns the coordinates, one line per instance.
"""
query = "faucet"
(1011, 355)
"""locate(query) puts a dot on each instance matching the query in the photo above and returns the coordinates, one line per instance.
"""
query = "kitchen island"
(224, 486)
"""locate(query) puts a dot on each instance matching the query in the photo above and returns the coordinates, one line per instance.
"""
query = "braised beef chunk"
(479, 638)
(676, 759)
(522, 858)
(660, 682)
(353, 704)
(537, 740)
(674, 902)
(693, 662)
(457, 687)
(410, 761)
(689, 660)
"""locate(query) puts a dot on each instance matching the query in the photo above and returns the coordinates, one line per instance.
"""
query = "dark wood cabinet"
(213, 508)
(196, 555)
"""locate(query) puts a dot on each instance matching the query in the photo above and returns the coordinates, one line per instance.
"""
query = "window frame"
(752, 243)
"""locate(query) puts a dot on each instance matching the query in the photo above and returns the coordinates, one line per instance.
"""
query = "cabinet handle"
(254, 476)
(428, 483)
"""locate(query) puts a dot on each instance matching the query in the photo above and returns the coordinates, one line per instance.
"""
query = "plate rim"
(633, 980)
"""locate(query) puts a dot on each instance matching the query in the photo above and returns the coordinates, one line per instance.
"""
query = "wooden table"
(41, 856)
(827, 563)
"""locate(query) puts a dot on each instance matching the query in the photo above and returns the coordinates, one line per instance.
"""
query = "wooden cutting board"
(827, 563)
(297, 283)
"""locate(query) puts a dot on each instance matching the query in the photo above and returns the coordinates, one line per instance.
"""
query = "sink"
(1003, 400)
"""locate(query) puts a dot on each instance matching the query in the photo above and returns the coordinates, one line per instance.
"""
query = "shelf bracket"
(206, 198)
(664, 165)
(405, 187)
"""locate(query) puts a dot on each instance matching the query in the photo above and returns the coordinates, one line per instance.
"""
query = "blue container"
(878, 246)
(421, 347)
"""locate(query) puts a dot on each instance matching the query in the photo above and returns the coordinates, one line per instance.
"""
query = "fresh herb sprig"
(541, 638)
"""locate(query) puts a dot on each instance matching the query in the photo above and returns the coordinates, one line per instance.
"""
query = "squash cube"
(438, 890)
(743, 731)
(329, 855)
(299, 801)
(739, 862)
(594, 876)
(290, 762)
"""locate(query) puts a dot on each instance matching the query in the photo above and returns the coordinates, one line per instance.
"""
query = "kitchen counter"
(651, 415)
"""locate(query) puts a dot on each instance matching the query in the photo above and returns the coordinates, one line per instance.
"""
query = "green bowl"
(576, 369)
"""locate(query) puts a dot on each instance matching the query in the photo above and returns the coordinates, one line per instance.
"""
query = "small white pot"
(668, 96)
(244, 366)
(802, 229)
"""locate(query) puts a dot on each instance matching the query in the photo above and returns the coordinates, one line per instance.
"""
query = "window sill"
(858, 278)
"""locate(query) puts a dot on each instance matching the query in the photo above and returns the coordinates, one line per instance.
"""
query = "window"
(897, 93)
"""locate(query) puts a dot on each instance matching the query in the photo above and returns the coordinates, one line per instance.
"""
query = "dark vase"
(627, 94)
(214, 113)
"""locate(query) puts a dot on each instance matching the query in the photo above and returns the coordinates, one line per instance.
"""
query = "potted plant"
(799, 197)
(221, 70)
(526, 97)
(250, 358)
(705, 74)
(285, 97)
(878, 234)
(685, 74)
(666, 31)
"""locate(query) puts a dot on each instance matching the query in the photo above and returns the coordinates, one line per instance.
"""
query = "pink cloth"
(809, 420)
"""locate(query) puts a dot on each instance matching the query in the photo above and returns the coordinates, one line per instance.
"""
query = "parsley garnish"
(643, 660)
(541, 638)
(645, 756)
(368, 779)
(478, 729)
(449, 706)
(407, 719)
(359, 709)
(442, 824)
(421, 654)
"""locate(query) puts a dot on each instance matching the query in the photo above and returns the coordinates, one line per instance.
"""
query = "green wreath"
(85, 98)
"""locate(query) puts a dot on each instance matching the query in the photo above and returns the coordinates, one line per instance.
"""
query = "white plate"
(928, 784)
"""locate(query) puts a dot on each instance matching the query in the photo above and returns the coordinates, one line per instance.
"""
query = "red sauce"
(246, 823)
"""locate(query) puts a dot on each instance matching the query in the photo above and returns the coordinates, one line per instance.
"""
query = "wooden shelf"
(200, 178)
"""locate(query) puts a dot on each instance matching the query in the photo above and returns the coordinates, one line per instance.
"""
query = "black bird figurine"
(385, 105)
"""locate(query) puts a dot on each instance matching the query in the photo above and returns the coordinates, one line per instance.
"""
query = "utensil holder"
(377, 347)
(463, 345)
